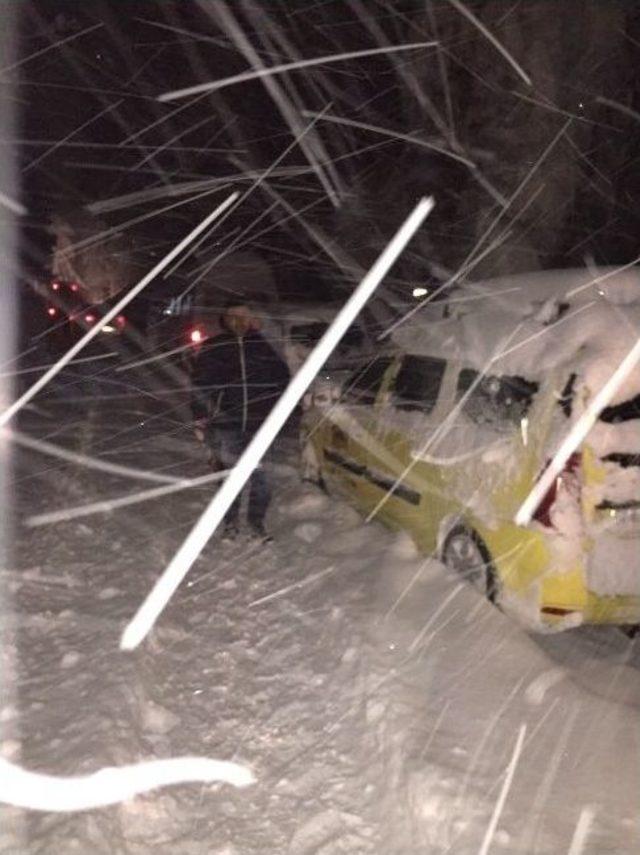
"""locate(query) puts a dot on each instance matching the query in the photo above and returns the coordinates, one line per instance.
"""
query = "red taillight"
(55, 286)
(121, 321)
(89, 319)
(196, 336)
(543, 511)
(557, 611)
(52, 312)
(74, 286)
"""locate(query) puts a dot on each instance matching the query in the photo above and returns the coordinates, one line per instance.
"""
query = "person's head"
(237, 319)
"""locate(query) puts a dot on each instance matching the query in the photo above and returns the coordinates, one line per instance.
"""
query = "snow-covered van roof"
(527, 324)
(620, 286)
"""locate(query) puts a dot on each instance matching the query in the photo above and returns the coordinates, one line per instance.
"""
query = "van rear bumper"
(554, 600)
(565, 598)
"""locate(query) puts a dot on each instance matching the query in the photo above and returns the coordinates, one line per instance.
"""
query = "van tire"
(466, 553)
(631, 630)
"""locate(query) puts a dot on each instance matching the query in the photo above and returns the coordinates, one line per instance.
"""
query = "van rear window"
(495, 400)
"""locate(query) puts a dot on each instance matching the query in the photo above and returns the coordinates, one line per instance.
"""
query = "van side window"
(495, 400)
(624, 412)
(566, 396)
(418, 383)
(363, 386)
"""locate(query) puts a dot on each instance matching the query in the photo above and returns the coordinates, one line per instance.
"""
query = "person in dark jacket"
(236, 381)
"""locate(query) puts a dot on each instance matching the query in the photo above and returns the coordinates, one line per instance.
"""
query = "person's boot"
(258, 531)
(230, 530)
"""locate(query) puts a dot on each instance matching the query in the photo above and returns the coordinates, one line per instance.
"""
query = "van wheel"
(631, 630)
(465, 552)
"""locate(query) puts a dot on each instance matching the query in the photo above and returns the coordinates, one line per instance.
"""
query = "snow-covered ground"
(382, 705)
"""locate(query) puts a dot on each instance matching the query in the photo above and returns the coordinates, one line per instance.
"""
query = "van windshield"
(308, 334)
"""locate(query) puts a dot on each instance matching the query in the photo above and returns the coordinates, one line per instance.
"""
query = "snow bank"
(453, 712)
(376, 696)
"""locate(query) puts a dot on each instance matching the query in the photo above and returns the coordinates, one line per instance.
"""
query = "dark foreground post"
(11, 824)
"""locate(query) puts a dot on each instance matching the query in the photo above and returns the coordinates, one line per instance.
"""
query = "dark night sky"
(121, 67)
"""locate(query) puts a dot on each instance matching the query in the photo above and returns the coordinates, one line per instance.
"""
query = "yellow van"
(447, 430)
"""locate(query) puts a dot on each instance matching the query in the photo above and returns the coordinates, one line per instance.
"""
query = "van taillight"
(542, 513)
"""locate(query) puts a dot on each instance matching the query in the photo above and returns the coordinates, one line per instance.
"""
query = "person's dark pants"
(228, 445)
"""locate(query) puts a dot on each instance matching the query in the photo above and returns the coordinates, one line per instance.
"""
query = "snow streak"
(494, 41)
(350, 123)
(577, 434)
(108, 505)
(472, 258)
(95, 463)
(287, 66)
(10, 411)
(583, 827)
(113, 784)
(504, 792)
(12, 205)
(293, 587)
(178, 568)
(52, 46)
